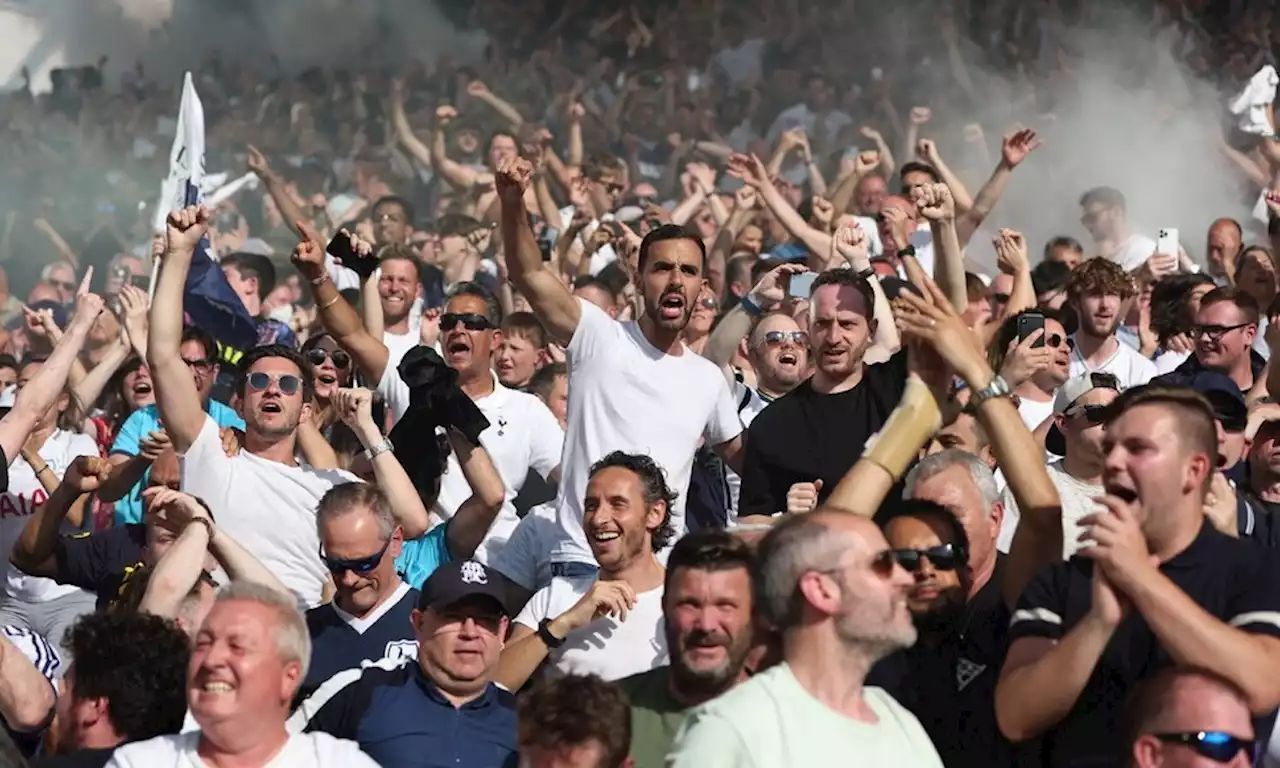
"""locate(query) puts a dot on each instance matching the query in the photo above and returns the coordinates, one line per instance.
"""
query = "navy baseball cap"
(460, 579)
(1219, 389)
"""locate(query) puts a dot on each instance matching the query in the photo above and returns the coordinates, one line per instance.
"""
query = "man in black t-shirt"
(1155, 584)
(817, 431)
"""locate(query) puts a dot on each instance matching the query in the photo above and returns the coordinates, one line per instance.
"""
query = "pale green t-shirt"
(770, 721)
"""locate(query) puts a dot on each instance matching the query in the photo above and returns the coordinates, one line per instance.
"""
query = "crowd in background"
(684, 385)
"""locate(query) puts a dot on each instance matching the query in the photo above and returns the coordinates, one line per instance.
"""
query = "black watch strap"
(867, 274)
(910, 250)
(548, 639)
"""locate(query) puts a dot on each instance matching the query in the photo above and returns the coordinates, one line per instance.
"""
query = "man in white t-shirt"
(1076, 435)
(250, 656)
(522, 435)
(1104, 215)
(611, 624)
(836, 593)
(1035, 394)
(263, 496)
(1098, 292)
(632, 386)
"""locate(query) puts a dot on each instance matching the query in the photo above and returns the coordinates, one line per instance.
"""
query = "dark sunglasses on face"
(1217, 746)
(708, 304)
(203, 365)
(470, 321)
(1054, 340)
(362, 566)
(317, 357)
(1094, 414)
(288, 383)
(775, 338)
(1215, 332)
(946, 557)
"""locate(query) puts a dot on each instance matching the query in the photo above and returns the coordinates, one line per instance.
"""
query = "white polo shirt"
(523, 434)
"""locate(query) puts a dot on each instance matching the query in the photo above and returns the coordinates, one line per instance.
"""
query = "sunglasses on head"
(288, 383)
(361, 566)
(317, 356)
(946, 557)
(1094, 414)
(469, 320)
(775, 338)
(1217, 746)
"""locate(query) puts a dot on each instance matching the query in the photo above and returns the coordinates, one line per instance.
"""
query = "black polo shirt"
(805, 436)
(949, 682)
(103, 563)
(1234, 581)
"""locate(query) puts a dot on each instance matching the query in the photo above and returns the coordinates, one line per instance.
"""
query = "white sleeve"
(83, 445)
(724, 423)
(546, 441)
(395, 392)
(595, 330)
(518, 558)
(206, 468)
(340, 753)
(536, 609)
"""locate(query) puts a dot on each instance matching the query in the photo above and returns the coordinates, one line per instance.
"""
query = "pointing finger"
(84, 282)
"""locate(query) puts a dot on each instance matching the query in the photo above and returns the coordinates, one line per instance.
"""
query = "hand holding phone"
(341, 248)
(1029, 323)
(800, 285)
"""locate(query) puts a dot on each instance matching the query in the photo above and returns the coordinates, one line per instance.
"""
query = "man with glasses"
(142, 436)
(1155, 584)
(833, 589)
(261, 496)
(1076, 434)
(1104, 215)
(1224, 332)
(443, 702)
(1189, 717)
(61, 276)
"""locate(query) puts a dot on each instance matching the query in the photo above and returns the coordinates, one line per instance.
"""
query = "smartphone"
(140, 281)
(340, 248)
(1167, 242)
(800, 286)
(1029, 323)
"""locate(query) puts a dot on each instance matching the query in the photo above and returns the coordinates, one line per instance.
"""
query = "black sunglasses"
(288, 383)
(946, 557)
(317, 356)
(1094, 414)
(1054, 340)
(1215, 332)
(365, 565)
(469, 320)
(1218, 746)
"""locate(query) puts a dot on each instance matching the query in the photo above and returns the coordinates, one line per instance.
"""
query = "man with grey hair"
(964, 484)
(833, 589)
(250, 655)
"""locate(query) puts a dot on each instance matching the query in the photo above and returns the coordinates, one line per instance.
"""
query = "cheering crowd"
(637, 401)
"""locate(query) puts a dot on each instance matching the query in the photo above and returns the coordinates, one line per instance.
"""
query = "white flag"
(186, 157)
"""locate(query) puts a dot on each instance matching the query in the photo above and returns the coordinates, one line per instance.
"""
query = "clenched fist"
(87, 474)
(185, 228)
(803, 497)
(934, 202)
(512, 179)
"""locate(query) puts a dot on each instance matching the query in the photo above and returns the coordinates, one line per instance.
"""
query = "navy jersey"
(399, 717)
(340, 641)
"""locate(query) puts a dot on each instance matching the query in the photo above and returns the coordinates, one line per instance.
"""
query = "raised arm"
(550, 299)
(752, 172)
(404, 132)
(289, 209)
(33, 552)
(459, 176)
(479, 91)
(927, 151)
(1014, 150)
(35, 399)
(339, 318)
(849, 246)
(355, 407)
(936, 205)
(176, 396)
(471, 523)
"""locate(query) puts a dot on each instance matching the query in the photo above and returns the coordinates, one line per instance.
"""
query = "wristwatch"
(910, 250)
(750, 306)
(376, 450)
(997, 388)
(548, 639)
(867, 274)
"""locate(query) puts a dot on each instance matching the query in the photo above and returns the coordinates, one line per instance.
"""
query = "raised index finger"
(308, 232)
(84, 282)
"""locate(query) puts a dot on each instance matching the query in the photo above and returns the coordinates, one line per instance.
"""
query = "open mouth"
(1127, 495)
(271, 406)
(142, 388)
(326, 378)
(217, 686)
(671, 306)
(604, 537)
(788, 358)
(457, 346)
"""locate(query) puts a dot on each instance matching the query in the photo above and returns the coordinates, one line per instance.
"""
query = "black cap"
(460, 579)
(1228, 401)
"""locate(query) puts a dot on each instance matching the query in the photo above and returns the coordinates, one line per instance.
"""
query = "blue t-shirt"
(420, 557)
(141, 423)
